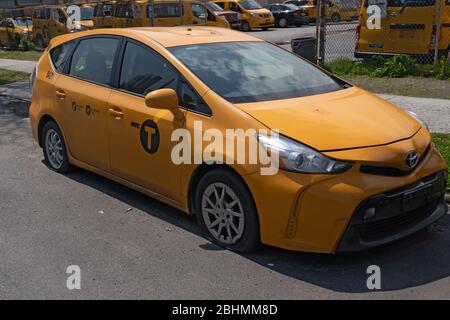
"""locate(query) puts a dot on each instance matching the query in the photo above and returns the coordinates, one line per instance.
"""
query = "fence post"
(320, 31)
(438, 31)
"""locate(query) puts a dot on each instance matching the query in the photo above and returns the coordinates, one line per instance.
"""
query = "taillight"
(358, 31)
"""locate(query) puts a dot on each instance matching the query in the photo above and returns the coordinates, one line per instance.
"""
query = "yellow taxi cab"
(253, 15)
(160, 13)
(336, 10)
(13, 30)
(406, 27)
(52, 21)
(142, 107)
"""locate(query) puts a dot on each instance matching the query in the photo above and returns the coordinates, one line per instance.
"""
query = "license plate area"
(417, 198)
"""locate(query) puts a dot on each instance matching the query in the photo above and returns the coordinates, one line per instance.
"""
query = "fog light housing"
(370, 213)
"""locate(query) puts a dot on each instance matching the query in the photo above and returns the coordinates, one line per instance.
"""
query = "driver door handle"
(60, 94)
(116, 113)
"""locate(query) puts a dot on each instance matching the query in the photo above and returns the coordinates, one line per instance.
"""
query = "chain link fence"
(364, 29)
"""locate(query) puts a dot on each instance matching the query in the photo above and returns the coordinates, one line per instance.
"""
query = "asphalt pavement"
(128, 245)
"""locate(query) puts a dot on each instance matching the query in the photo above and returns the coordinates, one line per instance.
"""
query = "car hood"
(345, 119)
(260, 11)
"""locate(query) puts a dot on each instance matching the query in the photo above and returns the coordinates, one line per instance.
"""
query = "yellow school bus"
(406, 27)
(52, 21)
(158, 13)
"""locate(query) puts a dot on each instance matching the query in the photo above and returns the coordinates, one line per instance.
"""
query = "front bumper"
(312, 213)
(397, 214)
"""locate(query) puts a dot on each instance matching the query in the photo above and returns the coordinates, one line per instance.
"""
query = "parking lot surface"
(130, 246)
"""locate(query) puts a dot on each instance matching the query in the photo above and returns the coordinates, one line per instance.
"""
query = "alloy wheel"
(223, 213)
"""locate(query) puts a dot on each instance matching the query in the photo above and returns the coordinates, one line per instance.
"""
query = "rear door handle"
(116, 113)
(60, 94)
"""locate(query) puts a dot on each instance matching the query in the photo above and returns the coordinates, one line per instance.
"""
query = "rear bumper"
(398, 214)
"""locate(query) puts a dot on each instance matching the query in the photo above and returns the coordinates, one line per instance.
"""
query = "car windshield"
(250, 5)
(243, 72)
(214, 6)
(291, 6)
(87, 13)
(23, 22)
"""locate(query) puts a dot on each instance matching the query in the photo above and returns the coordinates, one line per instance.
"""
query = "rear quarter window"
(60, 55)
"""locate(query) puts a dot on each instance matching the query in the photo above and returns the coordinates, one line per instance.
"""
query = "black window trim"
(66, 69)
(115, 83)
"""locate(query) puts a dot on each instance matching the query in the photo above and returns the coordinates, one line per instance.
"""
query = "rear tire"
(245, 26)
(54, 148)
(335, 17)
(226, 212)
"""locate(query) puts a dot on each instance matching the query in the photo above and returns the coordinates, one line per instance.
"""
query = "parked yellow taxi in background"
(355, 170)
(335, 10)
(13, 30)
(253, 15)
(160, 13)
(407, 27)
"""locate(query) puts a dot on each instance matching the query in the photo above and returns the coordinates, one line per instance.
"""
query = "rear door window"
(93, 59)
(60, 55)
(168, 10)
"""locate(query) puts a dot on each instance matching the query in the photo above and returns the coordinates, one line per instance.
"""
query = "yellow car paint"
(303, 212)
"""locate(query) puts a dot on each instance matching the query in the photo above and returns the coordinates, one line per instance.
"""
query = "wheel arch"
(44, 119)
(201, 171)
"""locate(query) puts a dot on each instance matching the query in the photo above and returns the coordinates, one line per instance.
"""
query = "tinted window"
(221, 4)
(168, 10)
(144, 71)
(191, 100)
(93, 59)
(234, 7)
(60, 54)
(254, 71)
(124, 11)
(198, 11)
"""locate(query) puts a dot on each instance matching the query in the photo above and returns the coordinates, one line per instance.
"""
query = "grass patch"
(442, 142)
(8, 76)
(392, 67)
(30, 55)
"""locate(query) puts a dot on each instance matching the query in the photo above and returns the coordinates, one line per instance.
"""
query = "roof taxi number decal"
(149, 135)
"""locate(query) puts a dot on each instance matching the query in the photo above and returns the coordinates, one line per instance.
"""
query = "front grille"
(383, 228)
(383, 171)
(231, 17)
(264, 15)
(390, 171)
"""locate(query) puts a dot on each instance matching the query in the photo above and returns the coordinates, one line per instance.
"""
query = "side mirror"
(162, 99)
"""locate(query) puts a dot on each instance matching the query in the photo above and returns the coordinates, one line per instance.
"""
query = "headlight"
(294, 156)
(422, 122)
(25, 31)
(255, 14)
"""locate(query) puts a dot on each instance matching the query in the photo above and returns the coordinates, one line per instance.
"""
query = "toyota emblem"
(412, 159)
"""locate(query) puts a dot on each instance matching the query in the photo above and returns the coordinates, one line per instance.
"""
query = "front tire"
(282, 23)
(245, 26)
(225, 211)
(54, 148)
